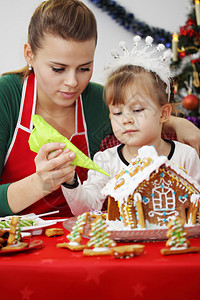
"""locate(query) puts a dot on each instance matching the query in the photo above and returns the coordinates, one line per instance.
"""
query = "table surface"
(55, 273)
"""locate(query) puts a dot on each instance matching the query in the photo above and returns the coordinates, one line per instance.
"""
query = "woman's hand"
(186, 132)
(53, 166)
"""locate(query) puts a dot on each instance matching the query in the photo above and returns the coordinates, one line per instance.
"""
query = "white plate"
(40, 223)
(136, 234)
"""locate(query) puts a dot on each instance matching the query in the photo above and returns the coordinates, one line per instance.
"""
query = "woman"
(55, 84)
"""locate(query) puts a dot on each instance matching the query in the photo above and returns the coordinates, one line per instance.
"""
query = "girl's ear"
(28, 54)
(165, 112)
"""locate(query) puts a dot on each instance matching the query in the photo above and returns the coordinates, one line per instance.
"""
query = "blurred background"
(174, 23)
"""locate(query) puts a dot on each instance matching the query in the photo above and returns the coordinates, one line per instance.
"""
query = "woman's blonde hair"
(68, 19)
(147, 83)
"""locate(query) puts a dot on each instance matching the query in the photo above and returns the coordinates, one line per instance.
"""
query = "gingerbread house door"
(163, 201)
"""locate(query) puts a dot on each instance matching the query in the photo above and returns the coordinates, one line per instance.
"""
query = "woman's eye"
(84, 69)
(57, 70)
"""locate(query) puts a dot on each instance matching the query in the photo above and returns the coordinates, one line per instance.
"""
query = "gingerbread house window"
(163, 197)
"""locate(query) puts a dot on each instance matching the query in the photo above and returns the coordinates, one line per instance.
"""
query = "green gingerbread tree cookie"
(177, 242)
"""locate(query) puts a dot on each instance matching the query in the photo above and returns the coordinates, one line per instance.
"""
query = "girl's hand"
(53, 166)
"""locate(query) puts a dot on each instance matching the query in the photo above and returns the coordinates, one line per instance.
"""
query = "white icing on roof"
(131, 183)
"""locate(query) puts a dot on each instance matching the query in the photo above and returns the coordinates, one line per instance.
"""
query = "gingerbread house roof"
(142, 166)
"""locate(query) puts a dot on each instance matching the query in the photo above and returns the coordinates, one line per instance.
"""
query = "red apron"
(19, 162)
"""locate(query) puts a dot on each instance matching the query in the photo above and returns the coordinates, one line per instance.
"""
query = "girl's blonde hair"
(147, 83)
(68, 19)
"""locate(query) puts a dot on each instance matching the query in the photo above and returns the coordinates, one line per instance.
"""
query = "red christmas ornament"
(181, 55)
(190, 102)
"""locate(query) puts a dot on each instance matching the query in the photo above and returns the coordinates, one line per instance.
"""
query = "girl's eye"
(138, 110)
(117, 113)
(58, 70)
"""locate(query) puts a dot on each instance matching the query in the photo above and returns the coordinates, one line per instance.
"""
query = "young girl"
(139, 107)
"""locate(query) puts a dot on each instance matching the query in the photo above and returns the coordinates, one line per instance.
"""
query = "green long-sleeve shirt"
(95, 111)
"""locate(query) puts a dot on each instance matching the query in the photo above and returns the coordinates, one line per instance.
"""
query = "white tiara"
(152, 59)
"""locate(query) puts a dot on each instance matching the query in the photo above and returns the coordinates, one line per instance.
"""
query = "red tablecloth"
(54, 273)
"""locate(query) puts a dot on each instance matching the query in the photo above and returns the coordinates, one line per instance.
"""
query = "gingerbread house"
(150, 191)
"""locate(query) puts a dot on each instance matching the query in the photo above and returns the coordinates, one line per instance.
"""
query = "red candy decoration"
(190, 102)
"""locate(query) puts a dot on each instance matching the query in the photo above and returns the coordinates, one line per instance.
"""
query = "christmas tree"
(15, 231)
(14, 238)
(75, 236)
(177, 235)
(100, 241)
(78, 229)
(99, 235)
(186, 65)
(177, 242)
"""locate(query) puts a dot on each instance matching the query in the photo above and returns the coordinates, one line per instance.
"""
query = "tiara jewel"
(152, 58)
